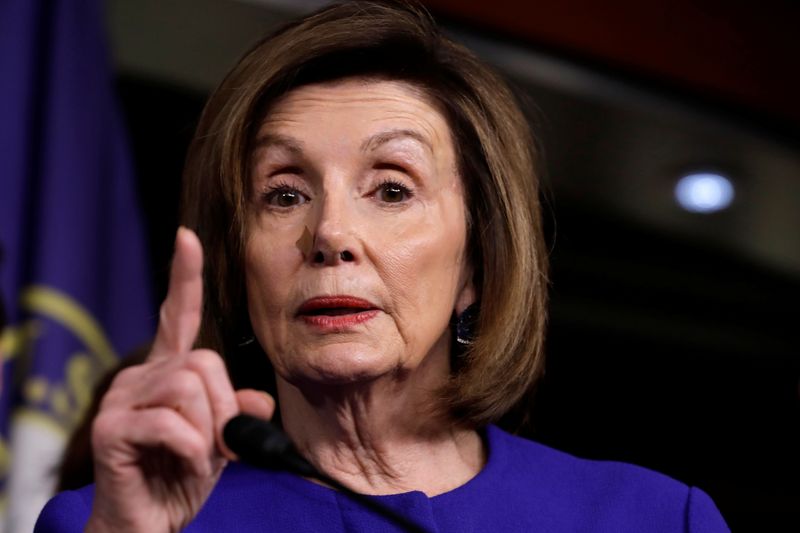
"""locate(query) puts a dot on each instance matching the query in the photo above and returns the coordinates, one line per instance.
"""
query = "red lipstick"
(336, 313)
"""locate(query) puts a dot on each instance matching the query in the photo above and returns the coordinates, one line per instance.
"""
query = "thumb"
(256, 403)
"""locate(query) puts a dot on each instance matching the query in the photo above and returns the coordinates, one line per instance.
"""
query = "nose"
(335, 235)
(331, 258)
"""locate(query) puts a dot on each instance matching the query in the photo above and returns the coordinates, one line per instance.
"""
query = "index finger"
(179, 320)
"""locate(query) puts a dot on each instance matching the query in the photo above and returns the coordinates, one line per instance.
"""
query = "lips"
(336, 313)
(335, 306)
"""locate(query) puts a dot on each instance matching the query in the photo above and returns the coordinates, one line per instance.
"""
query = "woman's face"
(355, 258)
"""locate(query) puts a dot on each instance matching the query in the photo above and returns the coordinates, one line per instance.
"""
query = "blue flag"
(73, 272)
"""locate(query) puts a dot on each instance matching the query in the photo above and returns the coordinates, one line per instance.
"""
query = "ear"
(467, 294)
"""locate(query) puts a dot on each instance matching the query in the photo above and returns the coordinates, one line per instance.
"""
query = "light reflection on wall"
(704, 192)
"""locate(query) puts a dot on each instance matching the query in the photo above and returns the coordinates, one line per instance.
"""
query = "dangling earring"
(466, 324)
(463, 328)
(246, 335)
(246, 340)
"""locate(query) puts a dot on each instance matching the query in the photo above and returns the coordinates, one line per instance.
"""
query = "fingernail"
(270, 400)
(180, 230)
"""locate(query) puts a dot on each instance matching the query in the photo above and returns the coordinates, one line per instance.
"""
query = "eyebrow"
(268, 140)
(373, 142)
(386, 136)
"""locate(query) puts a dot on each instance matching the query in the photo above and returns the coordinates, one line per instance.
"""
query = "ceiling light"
(704, 192)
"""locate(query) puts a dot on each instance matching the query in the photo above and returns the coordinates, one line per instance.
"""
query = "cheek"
(271, 260)
(423, 262)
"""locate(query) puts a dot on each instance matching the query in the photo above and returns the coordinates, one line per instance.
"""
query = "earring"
(245, 340)
(466, 324)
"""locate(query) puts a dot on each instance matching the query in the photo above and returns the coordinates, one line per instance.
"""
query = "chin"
(342, 364)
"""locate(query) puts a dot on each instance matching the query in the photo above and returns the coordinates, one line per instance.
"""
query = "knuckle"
(162, 422)
(206, 360)
(121, 386)
(196, 448)
(125, 377)
(171, 434)
(105, 429)
(163, 314)
(113, 396)
(185, 384)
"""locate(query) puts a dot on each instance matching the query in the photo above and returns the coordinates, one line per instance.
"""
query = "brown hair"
(497, 161)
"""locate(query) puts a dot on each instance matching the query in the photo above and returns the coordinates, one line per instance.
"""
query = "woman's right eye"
(284, 196)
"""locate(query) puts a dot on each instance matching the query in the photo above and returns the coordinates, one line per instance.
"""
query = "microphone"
(260, 443)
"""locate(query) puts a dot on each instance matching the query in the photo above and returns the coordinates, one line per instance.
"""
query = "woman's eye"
(392, 192)
(285, 197)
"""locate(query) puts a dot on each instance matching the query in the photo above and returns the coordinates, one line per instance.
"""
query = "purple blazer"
(524, 486)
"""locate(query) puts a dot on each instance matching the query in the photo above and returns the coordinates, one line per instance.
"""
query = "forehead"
(358, 106)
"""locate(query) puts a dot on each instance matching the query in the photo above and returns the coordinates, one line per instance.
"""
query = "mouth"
(335, 306)
(336, 314)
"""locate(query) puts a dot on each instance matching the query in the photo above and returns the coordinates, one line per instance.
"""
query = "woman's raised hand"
(157, 440)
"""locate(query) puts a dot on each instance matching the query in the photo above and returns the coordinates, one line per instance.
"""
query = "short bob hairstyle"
(496, 157)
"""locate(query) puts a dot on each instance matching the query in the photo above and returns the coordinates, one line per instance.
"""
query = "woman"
(365, 195)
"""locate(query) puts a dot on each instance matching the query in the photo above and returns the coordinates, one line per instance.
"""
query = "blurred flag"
(73, 275)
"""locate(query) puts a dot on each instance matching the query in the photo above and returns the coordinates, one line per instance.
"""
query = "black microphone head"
(262, 444)
(255, 441)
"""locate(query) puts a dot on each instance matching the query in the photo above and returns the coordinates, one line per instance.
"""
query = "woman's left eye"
(392, 192)
(285, 197)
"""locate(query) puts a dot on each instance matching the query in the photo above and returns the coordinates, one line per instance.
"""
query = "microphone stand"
(261, 444)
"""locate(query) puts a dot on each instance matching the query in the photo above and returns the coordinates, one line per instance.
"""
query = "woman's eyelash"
(276, 188)
(389, 182)
(280, 185)
(388, 191)
(284, 195)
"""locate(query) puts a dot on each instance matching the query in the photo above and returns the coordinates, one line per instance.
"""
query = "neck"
(381, 436)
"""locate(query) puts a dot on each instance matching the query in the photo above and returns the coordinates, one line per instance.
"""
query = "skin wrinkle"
(369, 454)
(267, 141)
(356, 400)
(404, 150)
(376, 141)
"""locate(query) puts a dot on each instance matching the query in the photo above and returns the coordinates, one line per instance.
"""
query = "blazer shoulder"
(609, 492)
(561, 468)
